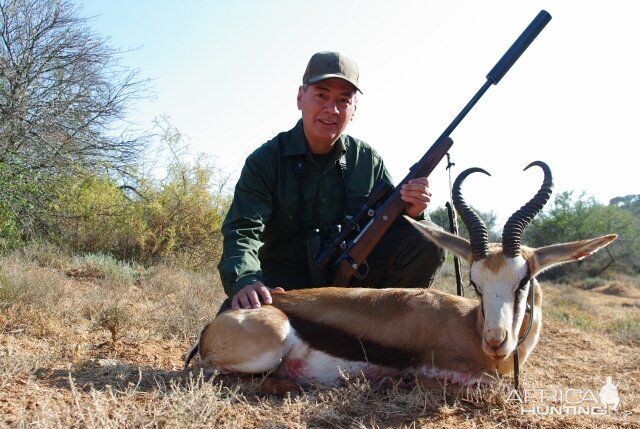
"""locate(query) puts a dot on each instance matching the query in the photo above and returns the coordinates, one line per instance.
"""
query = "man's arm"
(244, 225)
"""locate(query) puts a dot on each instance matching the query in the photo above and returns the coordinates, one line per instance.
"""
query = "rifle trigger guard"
(360, 273)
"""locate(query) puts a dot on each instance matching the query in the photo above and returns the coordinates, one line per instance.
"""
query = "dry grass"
(93, 343)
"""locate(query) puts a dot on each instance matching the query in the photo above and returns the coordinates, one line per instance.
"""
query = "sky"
(227, 72)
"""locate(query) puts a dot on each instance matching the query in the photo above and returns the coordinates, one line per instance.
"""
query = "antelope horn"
(514, 228)
(476, 227)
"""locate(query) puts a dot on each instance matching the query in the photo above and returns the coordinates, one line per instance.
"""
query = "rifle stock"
(357, 250)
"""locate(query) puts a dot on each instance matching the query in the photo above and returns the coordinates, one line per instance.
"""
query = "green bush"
(93, 215)
(10, 236)
(102, 266)
(20, 190)
(172, 221)
(183, 217)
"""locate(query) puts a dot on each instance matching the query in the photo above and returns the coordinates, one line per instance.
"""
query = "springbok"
(317, 336)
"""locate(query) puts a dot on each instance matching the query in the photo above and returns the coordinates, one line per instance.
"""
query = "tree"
(563, 220)
(440, 217)
(572, 218)
(628, 202)
(624, 254)
(64, 99)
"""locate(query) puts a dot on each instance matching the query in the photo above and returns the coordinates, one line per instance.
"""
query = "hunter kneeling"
(296, 189)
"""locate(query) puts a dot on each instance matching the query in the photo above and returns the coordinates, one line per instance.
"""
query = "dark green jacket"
(266, 221)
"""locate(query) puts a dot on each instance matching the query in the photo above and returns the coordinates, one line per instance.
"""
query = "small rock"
(108, 362)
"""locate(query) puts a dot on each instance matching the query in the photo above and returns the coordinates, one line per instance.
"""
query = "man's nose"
(331, 106)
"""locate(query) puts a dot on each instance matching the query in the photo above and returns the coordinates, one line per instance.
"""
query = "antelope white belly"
(306, 365)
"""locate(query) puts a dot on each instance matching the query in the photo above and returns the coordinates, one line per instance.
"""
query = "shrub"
(8, 291)
(10, 236)
(44, 254)
(183, 216)
(94, 215)
(175, 221)
(115, 319)
(102, 266)
(591, 283)
(625, 331)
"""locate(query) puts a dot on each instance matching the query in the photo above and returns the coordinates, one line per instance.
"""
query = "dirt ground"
(73, 375)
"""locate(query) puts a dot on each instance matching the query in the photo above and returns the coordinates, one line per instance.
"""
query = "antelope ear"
(457, 245)
(550, 256)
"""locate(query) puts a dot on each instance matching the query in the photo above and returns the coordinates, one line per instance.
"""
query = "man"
(297, 187)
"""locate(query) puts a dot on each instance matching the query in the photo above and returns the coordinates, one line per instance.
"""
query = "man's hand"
(416, 196)
(249, 296)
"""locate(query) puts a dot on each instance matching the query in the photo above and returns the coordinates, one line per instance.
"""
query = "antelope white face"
(497, 274)
(499, 282)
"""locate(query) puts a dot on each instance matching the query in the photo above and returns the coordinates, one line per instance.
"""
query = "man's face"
(327, 107)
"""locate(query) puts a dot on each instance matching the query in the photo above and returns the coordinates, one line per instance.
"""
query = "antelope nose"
(495, 337)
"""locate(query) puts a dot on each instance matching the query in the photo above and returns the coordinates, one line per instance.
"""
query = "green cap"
(325, 65)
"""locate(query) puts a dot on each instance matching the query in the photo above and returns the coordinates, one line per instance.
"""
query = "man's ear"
(299, 97)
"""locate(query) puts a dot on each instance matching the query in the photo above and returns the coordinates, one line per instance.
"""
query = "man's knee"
(414, 260)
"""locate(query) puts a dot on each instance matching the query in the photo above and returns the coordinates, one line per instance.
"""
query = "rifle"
(380, 216)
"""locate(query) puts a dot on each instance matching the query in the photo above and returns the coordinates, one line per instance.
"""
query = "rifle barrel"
(519, 46)
(504, 64)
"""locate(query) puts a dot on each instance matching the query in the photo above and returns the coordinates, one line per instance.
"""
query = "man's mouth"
(327, 121)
